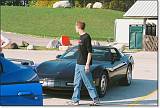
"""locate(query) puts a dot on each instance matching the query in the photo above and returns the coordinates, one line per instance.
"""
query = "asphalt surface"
(142, 91)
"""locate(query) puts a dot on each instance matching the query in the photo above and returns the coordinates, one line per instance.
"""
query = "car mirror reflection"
(58, 56)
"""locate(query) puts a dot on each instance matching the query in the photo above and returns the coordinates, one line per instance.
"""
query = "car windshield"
(98, 54)
(70, 54)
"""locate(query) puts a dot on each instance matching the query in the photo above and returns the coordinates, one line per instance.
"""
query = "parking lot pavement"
(34, 55)
(143, 90)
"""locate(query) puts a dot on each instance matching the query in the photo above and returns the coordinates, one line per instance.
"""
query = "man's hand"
(87, 68)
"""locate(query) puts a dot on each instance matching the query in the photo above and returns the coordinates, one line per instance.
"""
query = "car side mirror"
(58, 56)
(25, 63)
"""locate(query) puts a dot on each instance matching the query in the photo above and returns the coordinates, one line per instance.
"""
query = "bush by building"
(14, 2)
(121, 5)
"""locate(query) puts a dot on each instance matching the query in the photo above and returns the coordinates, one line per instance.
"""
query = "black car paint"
(63, 69)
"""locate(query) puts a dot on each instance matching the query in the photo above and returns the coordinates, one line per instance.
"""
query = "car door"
(118, 65)
(19, 85)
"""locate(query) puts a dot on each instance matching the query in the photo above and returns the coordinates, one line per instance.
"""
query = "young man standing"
(82, 70)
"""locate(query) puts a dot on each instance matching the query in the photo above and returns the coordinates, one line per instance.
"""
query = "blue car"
(19, 84)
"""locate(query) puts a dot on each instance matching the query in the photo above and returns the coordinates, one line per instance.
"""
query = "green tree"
(42, 3)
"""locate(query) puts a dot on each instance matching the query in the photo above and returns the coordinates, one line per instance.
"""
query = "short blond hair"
(81, 24)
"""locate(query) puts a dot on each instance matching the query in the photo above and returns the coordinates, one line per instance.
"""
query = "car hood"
(60, 69)
(57, 69)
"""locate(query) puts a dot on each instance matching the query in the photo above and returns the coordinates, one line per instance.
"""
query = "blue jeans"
(81, 75)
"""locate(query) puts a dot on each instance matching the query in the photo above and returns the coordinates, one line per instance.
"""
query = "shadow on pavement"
(115, 93)
(138, 88)
(127, 103)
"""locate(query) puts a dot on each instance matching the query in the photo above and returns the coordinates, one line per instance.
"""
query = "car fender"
(97, 72)
(130, 60)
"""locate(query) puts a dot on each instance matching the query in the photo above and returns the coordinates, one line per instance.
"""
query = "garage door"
(135, 36)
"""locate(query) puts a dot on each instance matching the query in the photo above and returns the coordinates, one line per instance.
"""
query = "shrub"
(122, 6)
(32, 3)
(51, 2)
(45, 3)
(77, 4)
(113, 4)
(106, 5)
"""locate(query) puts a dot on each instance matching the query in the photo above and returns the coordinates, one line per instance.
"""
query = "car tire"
(103, 84)
(128, 77)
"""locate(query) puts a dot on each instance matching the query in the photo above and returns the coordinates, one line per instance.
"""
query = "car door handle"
(124, 62)
(24, 93)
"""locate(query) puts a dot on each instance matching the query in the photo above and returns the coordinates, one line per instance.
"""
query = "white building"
(122, 28)
(139, 20)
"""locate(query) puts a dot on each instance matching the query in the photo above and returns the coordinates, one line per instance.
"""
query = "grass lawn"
(49, 22)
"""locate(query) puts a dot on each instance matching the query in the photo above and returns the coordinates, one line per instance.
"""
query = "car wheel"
(128, 77)
(103, 85)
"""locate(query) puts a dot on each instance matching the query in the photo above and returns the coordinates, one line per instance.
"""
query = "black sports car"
(108, 64)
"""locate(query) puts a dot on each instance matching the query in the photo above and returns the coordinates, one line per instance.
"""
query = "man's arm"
(89, 57)
(87, 67)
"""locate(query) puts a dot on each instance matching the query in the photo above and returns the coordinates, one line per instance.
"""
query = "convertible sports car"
(19, 83)
(108, 64)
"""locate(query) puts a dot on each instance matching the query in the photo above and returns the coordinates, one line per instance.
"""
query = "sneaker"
(73, 103)
(95, 102)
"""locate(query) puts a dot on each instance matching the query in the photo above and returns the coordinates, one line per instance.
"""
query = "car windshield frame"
(73, 54)
(71, 51)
